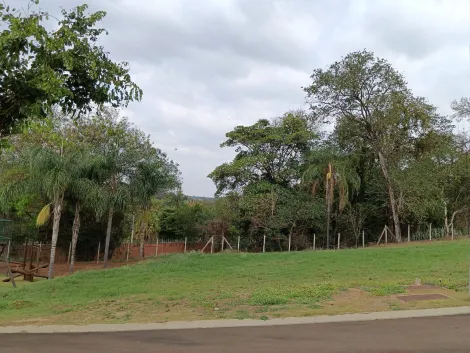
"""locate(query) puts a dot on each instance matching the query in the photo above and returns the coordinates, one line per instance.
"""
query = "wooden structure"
(25, 268)
(211, 241)
(385, 232)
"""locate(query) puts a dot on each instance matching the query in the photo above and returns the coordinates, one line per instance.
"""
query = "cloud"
(208, 65)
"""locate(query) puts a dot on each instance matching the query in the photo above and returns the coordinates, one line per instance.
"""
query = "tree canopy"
(65, 66)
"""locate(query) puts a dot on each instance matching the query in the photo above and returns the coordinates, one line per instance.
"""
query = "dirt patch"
(422, 287)
(355, 300)
(421, 297)
(63, 269)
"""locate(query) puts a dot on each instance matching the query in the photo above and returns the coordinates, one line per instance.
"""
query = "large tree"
(65, 66)
(268, 151)
(370, 101)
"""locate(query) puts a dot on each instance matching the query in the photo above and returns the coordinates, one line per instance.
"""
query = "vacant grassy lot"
(195, 286)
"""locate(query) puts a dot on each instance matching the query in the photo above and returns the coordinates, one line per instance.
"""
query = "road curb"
(201, 324)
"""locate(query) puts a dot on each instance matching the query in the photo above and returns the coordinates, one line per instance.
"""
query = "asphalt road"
(438, 334)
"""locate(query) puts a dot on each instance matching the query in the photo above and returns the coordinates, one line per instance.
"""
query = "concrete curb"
(179, 325)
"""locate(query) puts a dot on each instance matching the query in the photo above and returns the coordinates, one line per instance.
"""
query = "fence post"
(409, 238)
(452, 232)
(98, 254)
(339, 240)
(238, 244)
(185, 244)
(363, 244)
(212, 244)
(386, 234)
(39, 255)
(223, 243)
(132, 240)
(264, 243)
(430, 232)
(70, 251)
(156, 247)
(314, 240)
(289, 241)
(10, 274)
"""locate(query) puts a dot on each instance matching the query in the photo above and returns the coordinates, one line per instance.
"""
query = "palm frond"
(43, 216)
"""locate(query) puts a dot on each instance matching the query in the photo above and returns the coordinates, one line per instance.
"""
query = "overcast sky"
(208, 65)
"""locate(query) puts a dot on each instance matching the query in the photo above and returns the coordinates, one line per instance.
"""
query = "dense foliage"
(367, 153)
(371, 167)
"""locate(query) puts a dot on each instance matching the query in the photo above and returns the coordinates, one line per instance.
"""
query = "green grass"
(232, 285)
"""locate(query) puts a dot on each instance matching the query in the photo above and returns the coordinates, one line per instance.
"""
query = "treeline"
(70, 168)
(92, 169)
(367, 153)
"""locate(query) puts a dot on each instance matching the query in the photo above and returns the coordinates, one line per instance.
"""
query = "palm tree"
(53, 173)
(116, 195)
(151, 177)
(84, 190)
(336, 171)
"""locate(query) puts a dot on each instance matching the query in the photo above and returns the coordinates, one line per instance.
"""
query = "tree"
(461, 108)
(266, 151)
(53, 173)
(132, 169)
(83, 192)
(371, 102)
(66, 66)
(153, 176)
(51, 165)
(337, 172)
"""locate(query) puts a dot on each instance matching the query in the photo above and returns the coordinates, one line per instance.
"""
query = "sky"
(206, 66)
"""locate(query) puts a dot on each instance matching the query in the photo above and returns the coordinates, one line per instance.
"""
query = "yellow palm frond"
(43, 216)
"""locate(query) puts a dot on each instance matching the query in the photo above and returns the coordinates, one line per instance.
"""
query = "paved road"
(430, 335)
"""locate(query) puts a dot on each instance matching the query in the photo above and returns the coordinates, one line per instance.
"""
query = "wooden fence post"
(289, 241)
(185, 244)
(39, 255)
(386, 234)
(212, 244)
(238, 244)
(339, 240)
(430, 232)
(222, 245)
(452, 232)
(363, 244)
(98, 254)
(409, 234)
(314, 241)
(10, 274)
(156, 247)
(129, 244)
(264, 243)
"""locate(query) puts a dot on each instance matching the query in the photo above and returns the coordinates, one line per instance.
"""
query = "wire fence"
(159, 247)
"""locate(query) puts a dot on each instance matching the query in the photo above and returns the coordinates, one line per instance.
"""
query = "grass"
(197, 286)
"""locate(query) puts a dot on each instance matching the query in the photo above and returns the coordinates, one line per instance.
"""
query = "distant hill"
(201, 198)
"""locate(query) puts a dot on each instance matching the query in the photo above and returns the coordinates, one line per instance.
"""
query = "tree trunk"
(391, 195)
(141, 248)
(328, 213)
(75, 230)
(446, 220)
(55, 234)
(108, 236)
